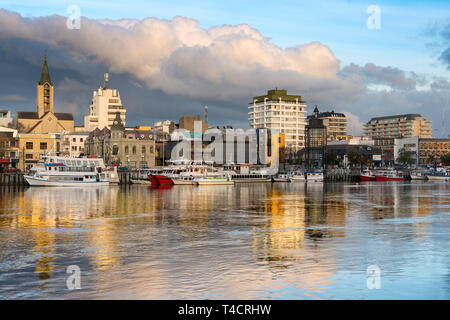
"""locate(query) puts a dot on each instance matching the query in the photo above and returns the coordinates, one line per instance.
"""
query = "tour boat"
(314, 176)
(53, 171)
(281, 178)
(214, 180)
(367, 175)
(418, 175)
(445, 176)
(245, 173)
(388, 175)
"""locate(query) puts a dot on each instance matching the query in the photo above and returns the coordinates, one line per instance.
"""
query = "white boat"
(214, 180)
(442, 176)
(282, 178)
(55, 171)
(418, 175)
(297, 177)
(314, 176)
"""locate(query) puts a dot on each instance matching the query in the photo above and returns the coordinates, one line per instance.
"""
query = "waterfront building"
(129, 148)
(398, 126)
(5, 119)
(105, 104)
(279, 111)
(166, 126)
(9, 148)
(336, 124)
(423, 150)
(33, 145)
(44, 120)
(364, 146)
(316, 142)
(73, 143)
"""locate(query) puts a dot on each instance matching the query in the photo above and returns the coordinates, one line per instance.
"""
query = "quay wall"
(12, 179)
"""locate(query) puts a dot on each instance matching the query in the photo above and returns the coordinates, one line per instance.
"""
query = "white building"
(104, 106)
(5, 118)
(162, 126)
(279, 111)
(73, 143)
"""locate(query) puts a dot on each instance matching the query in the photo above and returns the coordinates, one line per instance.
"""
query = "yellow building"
(32, 146)
(336, 124)
(44, 120)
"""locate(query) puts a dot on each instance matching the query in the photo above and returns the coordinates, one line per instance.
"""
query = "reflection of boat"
(367, 175)
(388, 175)
(314, 176)
(55, 171)
(282, 178)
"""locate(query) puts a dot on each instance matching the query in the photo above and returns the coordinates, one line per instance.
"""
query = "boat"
(54, 171)
(297, 176)
(443, 176)
(418, 175)
(314, 176)
(282, 178)
(245, 173)
(214, 180)
(160, 180)
(367, 175)
(388, 175)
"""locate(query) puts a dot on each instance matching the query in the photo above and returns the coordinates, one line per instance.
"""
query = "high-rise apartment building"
(279, 111)
(104, 107)
(404, 125)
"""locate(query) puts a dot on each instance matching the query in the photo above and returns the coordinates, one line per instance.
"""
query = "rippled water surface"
(249, 241)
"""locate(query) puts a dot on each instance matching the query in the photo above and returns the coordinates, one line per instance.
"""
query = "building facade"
(73, 143)
(5, 119)
(336, 124)
(425, 151)
(45, 120)
(399, 126)
(126, 148)
(9, 148)
(279, 111)
(166, 126)
(316, 142)
(105, 104)
(33, 145)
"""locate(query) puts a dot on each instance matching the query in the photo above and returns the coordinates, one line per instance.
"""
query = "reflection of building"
(130, 148)
(44, 120)
(316, 142)
(279, 111)
(424, 151)
(336, 124)
(32, 146)
(404, 125)
(106, 103)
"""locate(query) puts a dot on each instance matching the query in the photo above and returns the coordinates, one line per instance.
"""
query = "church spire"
(45, 75)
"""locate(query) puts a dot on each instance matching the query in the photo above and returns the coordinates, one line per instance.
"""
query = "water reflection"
(245, 241)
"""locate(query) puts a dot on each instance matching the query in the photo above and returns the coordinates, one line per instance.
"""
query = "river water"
(249, 241)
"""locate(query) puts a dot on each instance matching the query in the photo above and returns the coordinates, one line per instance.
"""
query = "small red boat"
(388, 175)
(160, 180)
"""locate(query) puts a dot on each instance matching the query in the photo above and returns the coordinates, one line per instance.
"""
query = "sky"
(168, 58)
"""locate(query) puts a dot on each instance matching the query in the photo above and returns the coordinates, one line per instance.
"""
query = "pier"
(12, 179)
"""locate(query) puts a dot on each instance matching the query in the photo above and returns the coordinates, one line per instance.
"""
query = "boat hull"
(367, 178)
(280, 180)
(438, 178)
(160, 180)
(381, 178)
(36, 182)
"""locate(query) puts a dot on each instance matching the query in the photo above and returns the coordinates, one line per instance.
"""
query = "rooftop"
(276, 94)
(409, 116)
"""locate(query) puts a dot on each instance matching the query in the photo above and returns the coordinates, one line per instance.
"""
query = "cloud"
(354, 124)
(13, 97)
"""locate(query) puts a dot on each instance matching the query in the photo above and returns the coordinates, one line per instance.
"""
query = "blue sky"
(341, 25)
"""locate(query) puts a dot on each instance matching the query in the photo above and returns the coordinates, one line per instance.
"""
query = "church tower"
(44, 95)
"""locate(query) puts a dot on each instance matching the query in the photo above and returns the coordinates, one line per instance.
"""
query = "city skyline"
(203, 61)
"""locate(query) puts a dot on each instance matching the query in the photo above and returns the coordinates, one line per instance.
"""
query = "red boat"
(367, 175)
(388, 175)
(160, 180)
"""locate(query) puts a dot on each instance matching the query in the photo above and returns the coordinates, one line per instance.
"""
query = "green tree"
(332, 158)
(432, 159)
(353, 157)
(445, 159)
(405, 157)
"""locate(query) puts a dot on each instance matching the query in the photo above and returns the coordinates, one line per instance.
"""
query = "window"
(126, 149)
(74, 139)
(29, 145)
(81, 139)
(29, 156)
(143, 149)
(134, 149)
(43, 145)
(115, 150)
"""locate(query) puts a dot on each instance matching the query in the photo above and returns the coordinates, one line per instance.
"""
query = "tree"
(405, 157)
(332, 158)
(432, 159)
(445, 159)
(353, 157)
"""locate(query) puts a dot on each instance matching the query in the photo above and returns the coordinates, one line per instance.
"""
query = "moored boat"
(281, 178)
(367, 175)
(314, 176)
(388, 175)
(214, 180)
